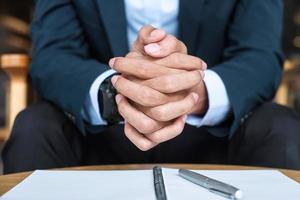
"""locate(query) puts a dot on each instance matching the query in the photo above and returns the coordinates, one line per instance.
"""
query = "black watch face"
(109, 109)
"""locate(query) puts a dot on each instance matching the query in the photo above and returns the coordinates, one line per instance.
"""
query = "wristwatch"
(107, 103)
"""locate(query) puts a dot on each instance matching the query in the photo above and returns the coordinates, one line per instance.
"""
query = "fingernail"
(114, 79)
(118, 99)
(157, 33)
(152, 48)
(195, 97)
(204, 65)
(112, 62)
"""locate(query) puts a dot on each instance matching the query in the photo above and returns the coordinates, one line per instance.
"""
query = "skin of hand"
(159, 86)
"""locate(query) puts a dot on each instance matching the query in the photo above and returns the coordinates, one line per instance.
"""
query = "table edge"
(15, 179)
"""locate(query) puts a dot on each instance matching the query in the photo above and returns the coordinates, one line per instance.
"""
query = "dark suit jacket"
(240, 40)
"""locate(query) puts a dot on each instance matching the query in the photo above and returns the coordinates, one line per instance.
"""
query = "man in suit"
(173, 109)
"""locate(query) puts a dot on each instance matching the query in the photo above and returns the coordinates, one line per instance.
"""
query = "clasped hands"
(158, 87)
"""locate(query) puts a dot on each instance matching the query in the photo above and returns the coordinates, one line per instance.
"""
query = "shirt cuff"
(91, 110)
(219, 105)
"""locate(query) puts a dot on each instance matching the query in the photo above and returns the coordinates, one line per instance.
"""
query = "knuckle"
(119, 62)
(143, 69)
(173, 45)
(185, 109)
(176, 58)
(183, 47)
(144, 29)
(145, 98)
(149, 98)
(145, 126)
(172, 38)
(145, 146)
(167, 84)
(142, 145)
(132, 54)
(197, 62)
(174, 41)
(157, 138)
(160, 114)
(196, 77)
(142, 34)
(155, 99)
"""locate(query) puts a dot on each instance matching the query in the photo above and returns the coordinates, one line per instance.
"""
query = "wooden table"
(9, 181)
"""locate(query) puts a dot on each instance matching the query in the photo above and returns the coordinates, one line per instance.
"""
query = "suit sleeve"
(252, 66)
(61, 69)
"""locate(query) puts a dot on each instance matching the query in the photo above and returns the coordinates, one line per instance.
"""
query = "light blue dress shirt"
(161, 14)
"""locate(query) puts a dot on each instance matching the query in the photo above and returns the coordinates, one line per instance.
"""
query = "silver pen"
(212, 185)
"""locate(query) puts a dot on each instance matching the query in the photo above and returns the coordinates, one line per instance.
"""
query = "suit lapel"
(114, 19)
(190, 15)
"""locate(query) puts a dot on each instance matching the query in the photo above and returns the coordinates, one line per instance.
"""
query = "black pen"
(159, 186)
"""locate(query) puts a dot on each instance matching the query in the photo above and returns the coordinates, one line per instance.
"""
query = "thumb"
(147, 35)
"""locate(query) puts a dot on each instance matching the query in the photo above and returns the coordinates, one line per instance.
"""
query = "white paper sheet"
(131, 185)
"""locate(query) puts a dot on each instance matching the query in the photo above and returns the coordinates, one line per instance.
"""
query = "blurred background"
(15, 16)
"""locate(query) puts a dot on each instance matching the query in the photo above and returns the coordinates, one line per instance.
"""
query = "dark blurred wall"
(17, 8)
(15, 16)
(291, 28)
